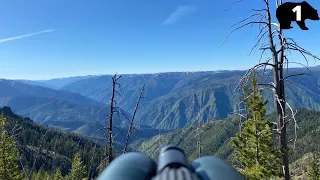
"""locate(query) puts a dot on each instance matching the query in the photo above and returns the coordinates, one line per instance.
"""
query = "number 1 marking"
(298, 14)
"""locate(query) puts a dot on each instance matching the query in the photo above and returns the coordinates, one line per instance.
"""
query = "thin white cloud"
(179, 13)
(25, 35)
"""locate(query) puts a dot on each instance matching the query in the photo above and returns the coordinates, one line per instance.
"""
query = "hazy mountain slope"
(39, 91)
(51, 107)
(64, 114)
(7, 90)
(56, 83)
(215, 137)
(37, 83)
(54, 112)
(21, 103)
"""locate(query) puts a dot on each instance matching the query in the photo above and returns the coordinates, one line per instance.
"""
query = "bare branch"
(118, 93)
(268, 84)
(93, 116)
(247, 18)
(248, 73)
(300, 74)
(244, 25)
(295, 126)
(258, 41)
(132, 119)
(233, 4)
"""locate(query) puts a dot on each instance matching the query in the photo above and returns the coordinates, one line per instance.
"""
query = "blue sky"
(60, 38)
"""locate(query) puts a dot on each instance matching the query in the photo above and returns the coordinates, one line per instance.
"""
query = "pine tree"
(41, 175)
(253, 146)
(57, 175)
(78, 171)
(35, 176)
(9, 167)
(314, 170)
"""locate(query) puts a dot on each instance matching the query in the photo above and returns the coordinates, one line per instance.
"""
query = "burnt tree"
(278, 47)
(113, 108)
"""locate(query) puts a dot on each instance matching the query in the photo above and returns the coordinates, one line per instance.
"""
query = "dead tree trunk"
(199, 126)
(15, 131)
(132, 119)
(280, 105)
(113, 108)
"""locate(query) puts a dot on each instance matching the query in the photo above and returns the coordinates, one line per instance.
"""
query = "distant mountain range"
(174, 98)
(50, 107)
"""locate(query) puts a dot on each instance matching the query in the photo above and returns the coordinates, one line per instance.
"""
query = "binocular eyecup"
(172, 165)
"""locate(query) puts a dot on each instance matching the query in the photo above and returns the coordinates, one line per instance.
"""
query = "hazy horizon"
(122, 74)
(65, 77)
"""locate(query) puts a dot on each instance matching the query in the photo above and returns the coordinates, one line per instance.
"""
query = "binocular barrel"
(173, 165)
(171, 156)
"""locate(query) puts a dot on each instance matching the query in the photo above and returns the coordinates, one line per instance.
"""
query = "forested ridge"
(45, 149)
(216, 136)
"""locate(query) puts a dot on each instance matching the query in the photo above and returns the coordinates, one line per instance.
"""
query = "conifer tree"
(58, 175)
(9, 167)
(41, 174)
(78, 171)
(36, 175)
(314, 170)
(253, 146)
